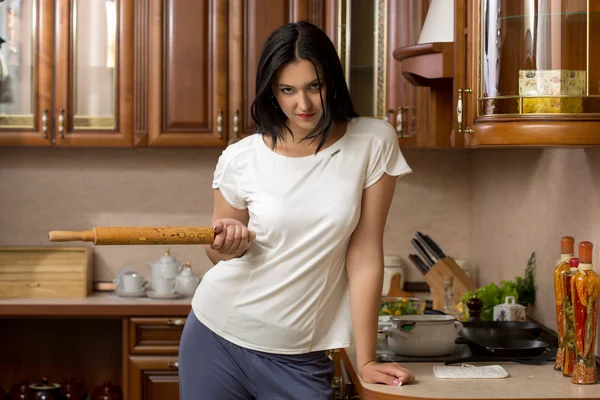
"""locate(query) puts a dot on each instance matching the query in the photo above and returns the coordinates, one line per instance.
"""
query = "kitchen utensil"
(509, 311)
(436, 276)
(421, 266)
(422, 252)
(428, 335)
(20, 391)
(132, 235)
(505, 339)
(431, 251)
(496, 329)
(186, 282)
(167, 265)
(44, 390)
(107, 391)
(72, 390)
(435, 247)
(506, 348)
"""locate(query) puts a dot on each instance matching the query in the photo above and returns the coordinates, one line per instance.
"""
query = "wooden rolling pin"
(120, 235)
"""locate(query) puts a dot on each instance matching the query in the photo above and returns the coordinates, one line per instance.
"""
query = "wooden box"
(27, 272)
(435, 279)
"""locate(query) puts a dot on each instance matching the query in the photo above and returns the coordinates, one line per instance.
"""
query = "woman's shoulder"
(242, 147)
(370, 129)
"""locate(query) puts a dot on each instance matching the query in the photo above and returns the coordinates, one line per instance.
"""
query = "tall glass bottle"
(567, 246)
(585, 286)
(568, 346)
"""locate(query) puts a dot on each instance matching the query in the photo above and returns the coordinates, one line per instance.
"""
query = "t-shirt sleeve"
(226, 180)
(385, 156)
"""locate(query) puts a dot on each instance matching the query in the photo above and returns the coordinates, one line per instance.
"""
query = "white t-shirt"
(289, 293)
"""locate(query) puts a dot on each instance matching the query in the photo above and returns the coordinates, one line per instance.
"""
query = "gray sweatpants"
(212, 368)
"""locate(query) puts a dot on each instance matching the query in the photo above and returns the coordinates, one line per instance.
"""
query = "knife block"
(435, 279)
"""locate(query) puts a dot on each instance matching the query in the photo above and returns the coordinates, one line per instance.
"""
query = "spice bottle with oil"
(585, 286)
(567, 246)
(568, 344)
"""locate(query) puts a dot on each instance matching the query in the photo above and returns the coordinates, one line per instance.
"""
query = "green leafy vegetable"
(522, 288)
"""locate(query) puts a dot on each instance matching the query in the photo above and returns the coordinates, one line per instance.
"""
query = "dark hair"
(287, 44)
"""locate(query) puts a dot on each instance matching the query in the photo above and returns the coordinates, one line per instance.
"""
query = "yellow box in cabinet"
(27, 272)
(541, 85)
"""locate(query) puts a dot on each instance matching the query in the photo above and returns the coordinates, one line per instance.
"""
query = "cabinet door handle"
(399, 121)
(176, 322)
(220, 123)
(61, 123)
(45, 123)
(236, 127)
(459, 110)
(173, 364)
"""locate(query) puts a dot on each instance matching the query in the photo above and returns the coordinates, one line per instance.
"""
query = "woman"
(315, 184)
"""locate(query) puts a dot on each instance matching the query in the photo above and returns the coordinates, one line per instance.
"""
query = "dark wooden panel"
(140, 72)
(187, 65)
(258, 26)
(316, 13)
(87, 350)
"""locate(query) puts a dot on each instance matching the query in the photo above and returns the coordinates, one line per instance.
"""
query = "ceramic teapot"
(106, 391)
(44, 390)
(186, 282)
(166, 266)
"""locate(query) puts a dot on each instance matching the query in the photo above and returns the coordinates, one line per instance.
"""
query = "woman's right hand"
(231, 237)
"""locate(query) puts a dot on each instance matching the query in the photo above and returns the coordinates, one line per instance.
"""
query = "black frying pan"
(503, 339)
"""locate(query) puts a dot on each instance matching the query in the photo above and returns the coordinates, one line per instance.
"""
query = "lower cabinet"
(153, 346)
(153, 378)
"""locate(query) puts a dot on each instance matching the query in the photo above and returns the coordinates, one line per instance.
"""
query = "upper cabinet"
(366, 34)
(200, 66)
(66, 74)
(534, 72)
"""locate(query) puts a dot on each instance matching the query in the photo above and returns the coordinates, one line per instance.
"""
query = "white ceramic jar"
(510, 311)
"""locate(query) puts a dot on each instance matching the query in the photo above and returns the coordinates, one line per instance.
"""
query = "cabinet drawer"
(155, 335)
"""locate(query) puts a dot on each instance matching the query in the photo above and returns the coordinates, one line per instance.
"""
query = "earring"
(273, 102)
(334, 94)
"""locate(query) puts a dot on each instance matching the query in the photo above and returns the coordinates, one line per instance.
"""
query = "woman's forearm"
(365, 277)
(215, 256)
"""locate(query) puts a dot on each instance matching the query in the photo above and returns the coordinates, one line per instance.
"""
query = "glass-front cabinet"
(66, 72)
(367, 32)
(25, 72)
(534, 73)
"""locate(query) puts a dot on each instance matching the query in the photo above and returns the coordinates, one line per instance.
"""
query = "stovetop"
(463, 354)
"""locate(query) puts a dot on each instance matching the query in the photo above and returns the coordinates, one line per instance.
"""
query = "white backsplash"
(44, 189)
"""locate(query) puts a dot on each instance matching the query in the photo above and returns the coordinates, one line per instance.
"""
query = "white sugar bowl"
(186, 282)
(510, 311)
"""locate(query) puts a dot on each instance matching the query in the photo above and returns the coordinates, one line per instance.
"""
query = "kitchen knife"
(421, 239)
(418, 263)
(422, 252)
(437, 248)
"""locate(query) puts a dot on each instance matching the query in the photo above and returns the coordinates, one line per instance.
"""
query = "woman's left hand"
(392, 374)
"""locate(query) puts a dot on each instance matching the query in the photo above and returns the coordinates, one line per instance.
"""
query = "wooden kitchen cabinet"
(67, 73)
(202, 58)
(365, 34)
(532, 71)
(153, 378)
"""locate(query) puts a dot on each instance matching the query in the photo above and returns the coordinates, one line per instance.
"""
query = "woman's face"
(298, 94)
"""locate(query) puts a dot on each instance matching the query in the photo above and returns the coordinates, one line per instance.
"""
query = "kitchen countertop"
(100, 304)
(524, 382)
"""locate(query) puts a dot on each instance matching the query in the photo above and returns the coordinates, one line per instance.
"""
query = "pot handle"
(389, 331)
(458, 326)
